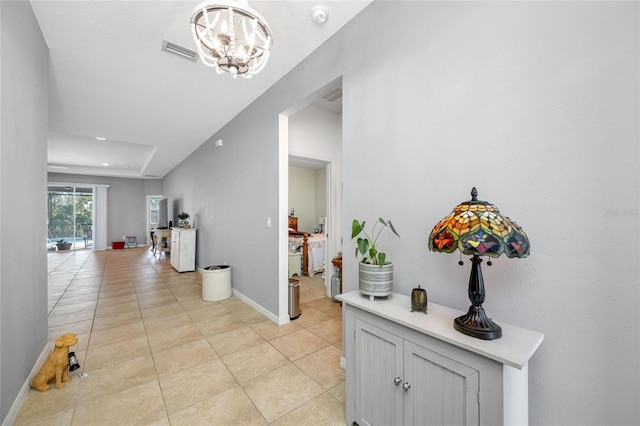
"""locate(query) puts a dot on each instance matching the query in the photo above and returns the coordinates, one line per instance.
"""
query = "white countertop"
(514, 348)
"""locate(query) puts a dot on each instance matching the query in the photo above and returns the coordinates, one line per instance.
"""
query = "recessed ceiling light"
(105, 164)
(100, 138)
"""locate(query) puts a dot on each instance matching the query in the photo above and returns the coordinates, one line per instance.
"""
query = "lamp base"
(475, 323)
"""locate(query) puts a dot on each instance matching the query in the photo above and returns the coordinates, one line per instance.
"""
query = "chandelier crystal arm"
(231, 37)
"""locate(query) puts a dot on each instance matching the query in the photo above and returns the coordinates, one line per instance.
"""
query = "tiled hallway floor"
(155, 353)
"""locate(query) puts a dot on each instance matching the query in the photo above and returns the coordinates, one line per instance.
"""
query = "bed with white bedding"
(312, 248)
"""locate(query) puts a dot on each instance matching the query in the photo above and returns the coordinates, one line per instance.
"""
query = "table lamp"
(477, 228)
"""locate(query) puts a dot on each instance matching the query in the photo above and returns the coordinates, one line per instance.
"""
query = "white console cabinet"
(408, 368)
(183, 249)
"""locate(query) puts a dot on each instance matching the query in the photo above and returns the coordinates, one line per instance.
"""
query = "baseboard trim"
(261, 309)
(22, 395)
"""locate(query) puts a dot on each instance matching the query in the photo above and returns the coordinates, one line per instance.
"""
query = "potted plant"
(375, 272)
(63, 245)
(183, 220)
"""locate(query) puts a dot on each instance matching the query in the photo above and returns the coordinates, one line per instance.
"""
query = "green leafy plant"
(63, 244)
(367, 247)
(183, 216)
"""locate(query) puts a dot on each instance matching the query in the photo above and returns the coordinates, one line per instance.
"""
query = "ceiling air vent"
(333, 95)
(176, 49)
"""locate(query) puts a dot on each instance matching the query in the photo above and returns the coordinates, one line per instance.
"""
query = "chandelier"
(231, 37)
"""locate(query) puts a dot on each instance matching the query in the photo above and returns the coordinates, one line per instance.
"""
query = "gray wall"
(536, 104)
(229, 193)
(127, 202)
(23, 162)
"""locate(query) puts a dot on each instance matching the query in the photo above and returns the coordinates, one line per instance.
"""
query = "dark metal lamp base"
(476, 324)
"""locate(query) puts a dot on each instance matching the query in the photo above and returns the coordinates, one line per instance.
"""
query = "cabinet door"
(378, 399)
(442, 392)
(175, 249)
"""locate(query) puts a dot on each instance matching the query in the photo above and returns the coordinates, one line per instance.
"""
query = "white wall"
(23, 162)
(307, 196)
(302, 196)
(320, 192)
(534, 103)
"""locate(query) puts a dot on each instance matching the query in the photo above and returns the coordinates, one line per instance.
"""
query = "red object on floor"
(117, 245)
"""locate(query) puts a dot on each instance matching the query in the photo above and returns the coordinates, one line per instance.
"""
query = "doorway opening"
(70, 213)
(311, 149)
(156, 215)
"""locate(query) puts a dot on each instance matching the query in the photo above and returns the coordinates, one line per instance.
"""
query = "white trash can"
(216, 283)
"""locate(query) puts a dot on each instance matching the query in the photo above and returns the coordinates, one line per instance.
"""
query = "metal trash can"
(216, 283)
(294, 298)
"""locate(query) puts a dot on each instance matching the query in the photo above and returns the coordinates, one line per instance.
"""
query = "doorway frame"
(330, 214)
(73, 190)
(147, 220)
(283, 203)
(100, 210)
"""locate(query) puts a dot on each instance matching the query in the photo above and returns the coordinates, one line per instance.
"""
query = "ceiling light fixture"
(231, 37)
(100, 138)
(105, 164)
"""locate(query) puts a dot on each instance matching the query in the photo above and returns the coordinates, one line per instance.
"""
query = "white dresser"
(406, 368)
(183, 249)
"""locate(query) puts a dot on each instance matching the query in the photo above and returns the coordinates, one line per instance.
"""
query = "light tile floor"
(155, 353)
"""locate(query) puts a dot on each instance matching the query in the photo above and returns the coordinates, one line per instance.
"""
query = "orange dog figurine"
(57, 365)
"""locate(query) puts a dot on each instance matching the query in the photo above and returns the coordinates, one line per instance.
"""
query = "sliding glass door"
(70, 216)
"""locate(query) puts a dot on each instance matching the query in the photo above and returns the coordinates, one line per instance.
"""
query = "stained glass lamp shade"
(477, 228)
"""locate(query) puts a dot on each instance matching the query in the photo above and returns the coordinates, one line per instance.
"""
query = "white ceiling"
(109, 78)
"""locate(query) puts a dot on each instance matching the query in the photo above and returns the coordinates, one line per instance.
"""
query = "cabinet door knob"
(397, 381)
(406, 386)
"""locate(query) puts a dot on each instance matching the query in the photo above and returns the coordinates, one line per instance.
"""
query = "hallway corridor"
(155, 353)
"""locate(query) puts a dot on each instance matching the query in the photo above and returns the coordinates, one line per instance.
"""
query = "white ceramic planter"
(376, 280)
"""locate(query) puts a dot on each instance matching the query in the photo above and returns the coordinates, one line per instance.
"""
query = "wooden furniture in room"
(88, 238)
(183, 249)
(130, 241)
(304, 243)
(305, 254)
(337, 262)
(161, 241)
(406, 368)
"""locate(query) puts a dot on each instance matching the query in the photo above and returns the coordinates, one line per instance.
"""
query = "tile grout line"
(70, 281)
(146, 333)
(133, 268)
